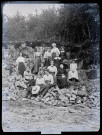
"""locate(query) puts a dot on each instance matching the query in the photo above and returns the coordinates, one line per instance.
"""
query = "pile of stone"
(87, 94)
(64, 97)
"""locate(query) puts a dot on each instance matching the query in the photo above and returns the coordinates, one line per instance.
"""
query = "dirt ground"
(33, 116)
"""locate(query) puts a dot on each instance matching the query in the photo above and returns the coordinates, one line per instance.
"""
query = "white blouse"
(40, 81)
(52, 69)
(55, 50)
(47, 54)
(73, 66)
(20, 59)
(48, 78)
(27, 75)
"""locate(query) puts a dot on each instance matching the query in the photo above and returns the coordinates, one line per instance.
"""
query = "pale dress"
(73, 73)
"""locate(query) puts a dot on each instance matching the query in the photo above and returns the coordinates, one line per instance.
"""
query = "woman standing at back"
(54, 51)
(21, 64)
(37, 61)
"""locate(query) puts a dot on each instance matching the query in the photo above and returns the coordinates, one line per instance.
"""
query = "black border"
(38, 2)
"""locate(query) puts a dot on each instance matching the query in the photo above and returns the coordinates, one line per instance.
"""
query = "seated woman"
(28, 75)
(48, 83)
(53, 71)
(19, 81)
(34, 90)
(39, 84)
(63, 54)
(61, 77)
(42, 69)
(73, 73)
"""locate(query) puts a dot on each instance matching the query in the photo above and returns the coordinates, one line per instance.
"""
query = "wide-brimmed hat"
(73, 60)
(35, 91)
(65, 61)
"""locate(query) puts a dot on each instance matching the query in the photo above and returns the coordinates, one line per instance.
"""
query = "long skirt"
(21, 68)
(47, 62)
(54, 78)
(61, 81)
(37, 64)
(73, 74)
(45, 89)
(53, 56)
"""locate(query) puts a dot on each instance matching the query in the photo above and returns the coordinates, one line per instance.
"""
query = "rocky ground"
(73, 109)
(34, 116)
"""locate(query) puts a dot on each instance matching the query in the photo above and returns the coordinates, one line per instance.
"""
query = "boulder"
(81, 93)
(68, 95)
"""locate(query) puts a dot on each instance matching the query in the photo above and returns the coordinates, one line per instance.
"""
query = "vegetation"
(76, 26)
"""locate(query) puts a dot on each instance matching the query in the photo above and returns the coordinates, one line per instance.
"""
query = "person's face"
(39, 75)
(61, 66)
(62, 49)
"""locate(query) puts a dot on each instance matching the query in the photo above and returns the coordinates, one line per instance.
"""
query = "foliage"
(72, 25)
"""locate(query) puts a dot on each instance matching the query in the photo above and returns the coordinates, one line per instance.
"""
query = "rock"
(91, 97)
(47, 99)
(53, 94)
(63, 98)
(73, 96)
(78, 101)
(75, 92)
(81, 93)
(84, 99)
(72, 99)
(68, 95)
(55, 103)
(47, 95)
(72, 111)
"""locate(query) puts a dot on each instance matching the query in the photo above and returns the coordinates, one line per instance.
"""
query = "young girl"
(53, 71)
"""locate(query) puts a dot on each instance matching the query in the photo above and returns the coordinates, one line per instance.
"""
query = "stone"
(72, 111)
(68, 95)
(74, 96)
(91, 97)
(72, 99)
(81, 93)
(79, 101)
(63, 98)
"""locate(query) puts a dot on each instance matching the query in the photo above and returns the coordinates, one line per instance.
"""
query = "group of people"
(50, 69)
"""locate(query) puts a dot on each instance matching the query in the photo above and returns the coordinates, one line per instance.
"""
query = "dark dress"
(53, 56)
(47, 62)
(21, 68)
(37, 63)
(57, 61)
(61, 78)
(63, 55)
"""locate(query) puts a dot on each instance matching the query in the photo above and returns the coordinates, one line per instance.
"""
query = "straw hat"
(35, 89)
(65, 61)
